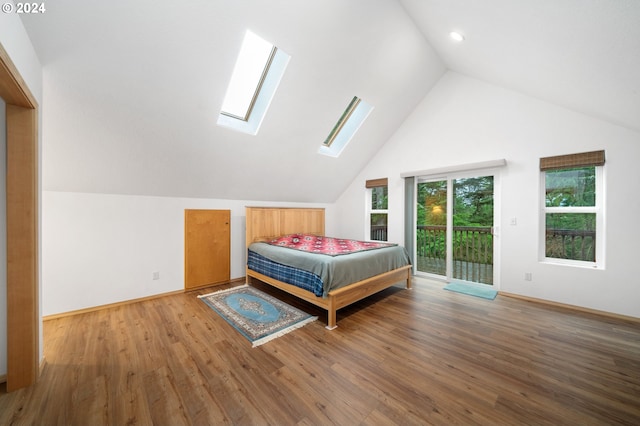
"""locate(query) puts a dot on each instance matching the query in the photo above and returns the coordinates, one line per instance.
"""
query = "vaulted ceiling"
(580, 54)
(132, 90)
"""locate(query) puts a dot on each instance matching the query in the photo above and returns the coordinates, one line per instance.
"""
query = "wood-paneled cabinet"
(207, 247)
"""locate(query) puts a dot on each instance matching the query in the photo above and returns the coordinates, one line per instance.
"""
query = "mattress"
(332, 271)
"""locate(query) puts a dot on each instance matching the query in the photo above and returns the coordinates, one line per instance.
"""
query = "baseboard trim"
(571, 307)
(107, 306)
(125, 302)
(230, 282)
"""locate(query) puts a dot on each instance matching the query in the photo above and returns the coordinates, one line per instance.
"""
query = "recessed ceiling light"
(456, 36)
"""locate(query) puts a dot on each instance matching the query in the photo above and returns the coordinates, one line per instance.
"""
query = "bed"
(265, 224)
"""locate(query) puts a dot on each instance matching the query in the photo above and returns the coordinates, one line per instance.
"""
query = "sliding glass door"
(454, 227)
(431, 227)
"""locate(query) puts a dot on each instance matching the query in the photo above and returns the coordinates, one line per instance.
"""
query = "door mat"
(478, 290)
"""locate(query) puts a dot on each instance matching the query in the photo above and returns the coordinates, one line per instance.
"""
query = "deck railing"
(472, 251)
(379, 232)
(571, 244)
(470, 243)
(473, 248)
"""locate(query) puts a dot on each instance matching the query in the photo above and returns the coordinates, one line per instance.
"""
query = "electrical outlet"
(528, 276)
(156, 275)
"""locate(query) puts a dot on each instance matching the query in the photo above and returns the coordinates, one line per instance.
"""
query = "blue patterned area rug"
(479, 290)
(256, 315)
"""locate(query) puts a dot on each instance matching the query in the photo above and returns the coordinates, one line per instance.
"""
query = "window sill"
(572, 263)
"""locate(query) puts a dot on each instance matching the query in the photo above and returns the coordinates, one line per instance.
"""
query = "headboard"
(270, 222)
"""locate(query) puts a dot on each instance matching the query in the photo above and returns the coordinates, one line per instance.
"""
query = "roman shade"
(569, 161)
(375, 183)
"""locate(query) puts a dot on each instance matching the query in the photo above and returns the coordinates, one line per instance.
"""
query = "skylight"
(350, 121)
(251, 68)
(342, 121)
(256, 76)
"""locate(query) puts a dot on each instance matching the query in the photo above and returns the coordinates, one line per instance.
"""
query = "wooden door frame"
(23, 304)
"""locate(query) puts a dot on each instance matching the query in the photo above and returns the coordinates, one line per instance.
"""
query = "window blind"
(584, 159)
(375, 183)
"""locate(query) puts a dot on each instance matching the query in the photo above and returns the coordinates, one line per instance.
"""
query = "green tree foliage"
(473, 204)
(380, 198)
(570, 187)
(432, 203)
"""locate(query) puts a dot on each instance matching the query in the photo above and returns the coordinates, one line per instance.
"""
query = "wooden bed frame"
(265, 223)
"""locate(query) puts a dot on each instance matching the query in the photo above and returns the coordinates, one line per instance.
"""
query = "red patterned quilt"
(326, 245)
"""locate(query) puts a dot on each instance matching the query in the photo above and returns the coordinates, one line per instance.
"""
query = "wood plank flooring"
(407, 357)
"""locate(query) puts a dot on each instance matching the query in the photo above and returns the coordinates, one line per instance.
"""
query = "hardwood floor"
(420, 356)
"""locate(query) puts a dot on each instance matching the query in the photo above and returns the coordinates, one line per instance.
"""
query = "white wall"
(100, 248)
(15, 41)
(464, 120)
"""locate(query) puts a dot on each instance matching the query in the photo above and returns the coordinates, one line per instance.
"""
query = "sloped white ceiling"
(580, 54)
(132, 90)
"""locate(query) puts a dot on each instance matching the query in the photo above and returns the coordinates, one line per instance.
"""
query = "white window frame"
(265, 93)
(370, 211)
(599, 211)
(345, 129)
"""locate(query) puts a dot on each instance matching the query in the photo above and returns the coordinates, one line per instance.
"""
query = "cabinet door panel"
(207, 247)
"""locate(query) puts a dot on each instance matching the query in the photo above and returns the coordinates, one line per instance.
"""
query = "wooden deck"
(410, 357)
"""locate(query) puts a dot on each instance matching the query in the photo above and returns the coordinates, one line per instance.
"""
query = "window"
(573, 208)
(256, 76)
(377, 209)
(342, 121)
(248, 75)
(350, 121)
